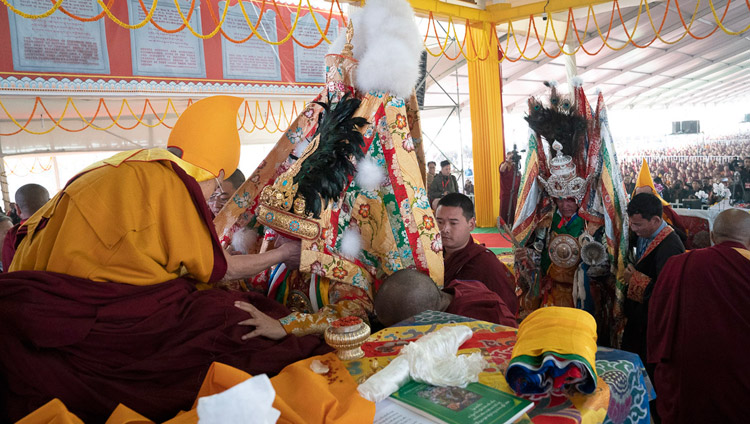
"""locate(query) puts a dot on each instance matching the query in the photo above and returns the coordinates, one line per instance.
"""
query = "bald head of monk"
(406, 293)
(732, 225)
(29, 199)
(643, 189)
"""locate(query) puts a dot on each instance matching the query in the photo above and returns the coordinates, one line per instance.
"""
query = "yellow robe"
(129, 219)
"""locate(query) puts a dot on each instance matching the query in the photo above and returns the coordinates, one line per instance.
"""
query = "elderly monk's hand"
(628, 274)
(264, 325)
(291, 250)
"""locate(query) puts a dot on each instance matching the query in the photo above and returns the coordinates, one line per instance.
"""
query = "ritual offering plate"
(347, 335)
(564, 251)
(593, 253)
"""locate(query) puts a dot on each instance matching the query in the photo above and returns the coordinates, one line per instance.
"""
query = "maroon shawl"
(476, 262)
(698, 336)
(474, 300)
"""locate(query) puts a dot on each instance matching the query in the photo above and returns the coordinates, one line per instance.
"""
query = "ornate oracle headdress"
(564, 128)
(292, 205)
(564, 182)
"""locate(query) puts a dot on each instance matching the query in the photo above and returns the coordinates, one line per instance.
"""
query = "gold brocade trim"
(637, 286)
(288, 223)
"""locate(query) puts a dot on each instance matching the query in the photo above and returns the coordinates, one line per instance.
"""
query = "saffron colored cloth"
(555, 351)
(475, 262)
(474, 300)
(329, 398)
(699, 313)
(136, 218)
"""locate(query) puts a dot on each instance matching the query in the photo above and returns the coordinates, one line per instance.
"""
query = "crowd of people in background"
(680, 173)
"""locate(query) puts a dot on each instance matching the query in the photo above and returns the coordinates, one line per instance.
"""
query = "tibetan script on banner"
(161, 54)
(252, 59)
(308, 63)
(58, 42)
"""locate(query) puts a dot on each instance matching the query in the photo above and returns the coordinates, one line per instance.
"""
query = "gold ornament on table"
(347, 335)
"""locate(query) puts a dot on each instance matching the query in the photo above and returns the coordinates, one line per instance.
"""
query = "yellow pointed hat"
(206, 134)
(645, 180)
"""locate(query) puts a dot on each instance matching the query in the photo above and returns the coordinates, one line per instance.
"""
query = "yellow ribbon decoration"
(30, 16)
(190, 28)
(280, 124)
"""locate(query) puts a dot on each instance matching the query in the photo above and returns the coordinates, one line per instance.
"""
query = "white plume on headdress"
(369, 175)
(244, 239)
(351, 243)
(576, 81)
(552, 83)
(385, 32)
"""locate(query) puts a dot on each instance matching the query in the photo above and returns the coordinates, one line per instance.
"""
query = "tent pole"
(4, 181)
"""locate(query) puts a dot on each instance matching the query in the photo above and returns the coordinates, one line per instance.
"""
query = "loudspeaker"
(691, 127)
(676, 127)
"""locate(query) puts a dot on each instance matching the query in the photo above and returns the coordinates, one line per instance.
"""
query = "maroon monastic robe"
(96, 344)
(474, 300)
(476, 262)
(509, 194)
(9, 247)
(698, 329)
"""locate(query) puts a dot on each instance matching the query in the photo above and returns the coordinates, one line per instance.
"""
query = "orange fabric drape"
(485, 99)
(302, 396)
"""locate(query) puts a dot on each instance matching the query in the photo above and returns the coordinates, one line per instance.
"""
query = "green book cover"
(476, 404)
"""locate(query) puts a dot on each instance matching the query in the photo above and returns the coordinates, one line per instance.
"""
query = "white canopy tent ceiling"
(712, 70)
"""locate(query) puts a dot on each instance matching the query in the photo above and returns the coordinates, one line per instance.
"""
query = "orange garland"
(464, 46)
(258, 120)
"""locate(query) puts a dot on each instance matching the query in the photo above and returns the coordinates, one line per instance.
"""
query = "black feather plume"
(559, 122)
(325, 173)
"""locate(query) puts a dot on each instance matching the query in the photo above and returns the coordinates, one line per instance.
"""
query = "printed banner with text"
(60, 53)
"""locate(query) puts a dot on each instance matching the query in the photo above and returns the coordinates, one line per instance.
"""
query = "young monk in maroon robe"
(464, 258)
(698, 329)
(408, 292)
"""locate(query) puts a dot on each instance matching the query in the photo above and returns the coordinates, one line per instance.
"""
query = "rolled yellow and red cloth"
(555, 353)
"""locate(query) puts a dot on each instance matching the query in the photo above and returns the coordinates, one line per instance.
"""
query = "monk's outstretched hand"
(264, 325)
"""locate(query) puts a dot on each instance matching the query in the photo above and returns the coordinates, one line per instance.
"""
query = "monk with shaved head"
(408, 292)
(29, 199)
(698, 327)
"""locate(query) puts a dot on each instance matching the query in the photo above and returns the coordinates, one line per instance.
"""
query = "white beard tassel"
(351, 243)
(370, 175)
(244, 239)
